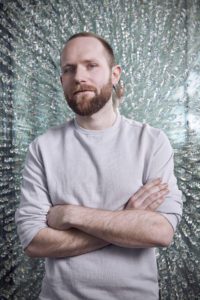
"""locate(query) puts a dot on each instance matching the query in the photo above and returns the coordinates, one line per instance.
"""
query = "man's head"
(89, 73)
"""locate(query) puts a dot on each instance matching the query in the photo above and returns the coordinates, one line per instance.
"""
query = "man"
(93, 202)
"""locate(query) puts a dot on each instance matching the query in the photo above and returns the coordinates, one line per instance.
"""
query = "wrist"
(73, 215)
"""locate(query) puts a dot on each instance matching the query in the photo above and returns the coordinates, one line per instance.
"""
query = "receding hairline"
(106, 46)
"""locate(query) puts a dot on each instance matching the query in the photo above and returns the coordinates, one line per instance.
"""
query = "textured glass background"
(157, 44)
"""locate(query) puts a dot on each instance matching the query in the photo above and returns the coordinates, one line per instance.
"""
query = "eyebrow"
(84, 61)
(68, 65)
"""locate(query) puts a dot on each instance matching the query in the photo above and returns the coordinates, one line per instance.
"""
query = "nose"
(80, 74)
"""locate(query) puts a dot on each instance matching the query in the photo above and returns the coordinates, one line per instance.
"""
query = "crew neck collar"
(101, 131)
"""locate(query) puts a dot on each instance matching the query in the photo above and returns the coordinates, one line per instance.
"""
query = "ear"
(116, 73)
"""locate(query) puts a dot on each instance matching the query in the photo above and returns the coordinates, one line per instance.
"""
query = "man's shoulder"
(146, 136)
(141, 128)
(55, 132)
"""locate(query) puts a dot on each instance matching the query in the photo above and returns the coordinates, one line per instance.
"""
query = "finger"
(143, 203)
(154, 190)
(148, 187)
(148, 194)
(153, 206)
(155, 197)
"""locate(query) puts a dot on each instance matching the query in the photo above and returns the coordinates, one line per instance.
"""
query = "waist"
(112, 270)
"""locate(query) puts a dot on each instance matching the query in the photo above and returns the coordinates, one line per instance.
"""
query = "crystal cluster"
(157, 44)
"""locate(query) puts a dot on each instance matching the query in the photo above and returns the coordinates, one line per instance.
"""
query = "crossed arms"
(75, 230)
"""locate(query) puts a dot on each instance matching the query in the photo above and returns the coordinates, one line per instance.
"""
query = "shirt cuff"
(173, 219)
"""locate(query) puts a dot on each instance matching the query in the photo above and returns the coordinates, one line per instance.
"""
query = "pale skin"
(75, 230)
(126, 228)
(62, 240)
(79, 58)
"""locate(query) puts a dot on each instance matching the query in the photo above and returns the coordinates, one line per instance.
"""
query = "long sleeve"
(35, 202)
(162, 165)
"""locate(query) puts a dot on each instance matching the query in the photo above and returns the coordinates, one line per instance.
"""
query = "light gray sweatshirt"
(100, 169)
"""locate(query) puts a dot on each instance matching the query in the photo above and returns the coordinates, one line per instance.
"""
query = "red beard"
(84, 104)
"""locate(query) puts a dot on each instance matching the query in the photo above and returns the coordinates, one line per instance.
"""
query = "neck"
(104, 118)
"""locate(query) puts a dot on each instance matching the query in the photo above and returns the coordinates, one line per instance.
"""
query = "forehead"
(83, 48)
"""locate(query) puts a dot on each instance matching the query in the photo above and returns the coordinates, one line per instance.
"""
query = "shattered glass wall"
(157, 44)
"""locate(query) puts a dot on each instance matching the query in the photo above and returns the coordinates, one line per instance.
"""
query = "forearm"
(127, 228)
(56, 243)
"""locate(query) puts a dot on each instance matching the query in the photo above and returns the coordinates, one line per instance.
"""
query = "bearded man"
(98, 192)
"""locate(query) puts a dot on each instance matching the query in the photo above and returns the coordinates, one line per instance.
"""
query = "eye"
(69, 69)
(91, 65)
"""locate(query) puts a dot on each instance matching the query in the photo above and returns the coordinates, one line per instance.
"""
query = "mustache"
(83, 88)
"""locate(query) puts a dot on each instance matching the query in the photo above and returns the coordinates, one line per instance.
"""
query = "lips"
(81, 91)
(83, 88)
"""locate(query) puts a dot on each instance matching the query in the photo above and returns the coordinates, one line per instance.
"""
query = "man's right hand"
(149, 197)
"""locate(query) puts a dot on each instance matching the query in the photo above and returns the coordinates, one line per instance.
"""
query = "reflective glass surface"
(157, 44)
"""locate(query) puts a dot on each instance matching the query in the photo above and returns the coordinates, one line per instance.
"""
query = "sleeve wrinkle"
(162, 165)
(35, 201)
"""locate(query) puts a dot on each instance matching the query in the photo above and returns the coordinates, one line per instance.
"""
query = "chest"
(95, 174)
